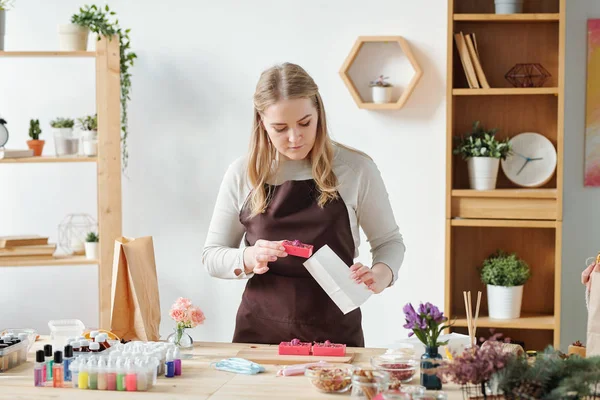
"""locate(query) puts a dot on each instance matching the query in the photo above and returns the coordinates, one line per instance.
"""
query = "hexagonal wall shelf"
(405, 48)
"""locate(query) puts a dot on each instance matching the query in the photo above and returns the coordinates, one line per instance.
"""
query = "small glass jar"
(395, 395)
(366, 384)
(401, 369)
(431, 395)
(330, 379)
(412, 390)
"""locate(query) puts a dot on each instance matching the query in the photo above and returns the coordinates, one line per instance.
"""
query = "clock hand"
(537, 158)
(524, 164)
(519, 154)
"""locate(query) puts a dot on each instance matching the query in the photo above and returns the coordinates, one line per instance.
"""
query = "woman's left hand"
(377, 278)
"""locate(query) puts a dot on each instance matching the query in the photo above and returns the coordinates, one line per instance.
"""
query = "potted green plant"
(505, 275)
(98, 20)
(5, 5)
(483, 153)
(381, 89)
(91, 245)
(35, 143)
(72, 37)
(65, 142)
(89, 128)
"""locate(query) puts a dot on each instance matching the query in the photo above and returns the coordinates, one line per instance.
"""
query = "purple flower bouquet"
(427, 324)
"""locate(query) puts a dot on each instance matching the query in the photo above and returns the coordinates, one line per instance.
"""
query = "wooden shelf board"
(507, 193)
(505, 91)
(527, 321)
(379, 106)
(47, 54)
(507, 17)
(503, 223)
(50, 261)
(48, 159)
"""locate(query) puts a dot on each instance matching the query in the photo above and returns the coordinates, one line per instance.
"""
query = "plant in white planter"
(508, 6)
(65, 142)
(91, 245)
(504, 274)
(89, 128)
(382, 90)
(5, 5)
(483, 153)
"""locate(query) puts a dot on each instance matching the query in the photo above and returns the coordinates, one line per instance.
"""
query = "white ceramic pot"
(90, 143)
(509, 6)
(65, 143)
(2, 28)
(382, 94)
(504, 302)
(483, 172)
(72, 37)
(91, 250)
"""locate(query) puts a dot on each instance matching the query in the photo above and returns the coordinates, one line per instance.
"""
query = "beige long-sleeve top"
(360, 186)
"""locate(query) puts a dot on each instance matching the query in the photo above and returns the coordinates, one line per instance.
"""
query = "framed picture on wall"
(592, 112)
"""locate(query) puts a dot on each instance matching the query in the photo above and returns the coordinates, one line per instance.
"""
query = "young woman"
(297, 184)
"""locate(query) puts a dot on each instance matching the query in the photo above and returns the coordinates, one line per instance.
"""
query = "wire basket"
(483, 390)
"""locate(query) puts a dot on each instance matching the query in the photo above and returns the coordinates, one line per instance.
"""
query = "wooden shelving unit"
(521, 220)
(108, 167)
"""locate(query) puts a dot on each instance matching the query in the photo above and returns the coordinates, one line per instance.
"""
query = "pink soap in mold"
(328, 349)
(294, 348)
(297, 248)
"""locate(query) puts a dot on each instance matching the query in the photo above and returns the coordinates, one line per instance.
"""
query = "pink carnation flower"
(196, 316)
(183, 303)
(177, 314)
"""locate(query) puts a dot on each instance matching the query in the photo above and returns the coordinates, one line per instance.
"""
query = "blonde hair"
(282, 82)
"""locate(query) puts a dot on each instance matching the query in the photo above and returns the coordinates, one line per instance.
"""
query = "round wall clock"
(3, 133)
(532, 162)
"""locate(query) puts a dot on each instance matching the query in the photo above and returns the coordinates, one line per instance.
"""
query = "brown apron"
(286, 302)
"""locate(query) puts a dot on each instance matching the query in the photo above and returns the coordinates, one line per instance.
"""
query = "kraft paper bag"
(593, 326)
(135, 308)
(332, 273)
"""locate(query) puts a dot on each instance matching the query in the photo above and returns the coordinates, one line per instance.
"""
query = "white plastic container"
(504, 302)
(62, 329)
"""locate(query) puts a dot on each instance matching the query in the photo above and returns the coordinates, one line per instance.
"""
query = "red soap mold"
(297, 248)
(294, 348)
(328, 349)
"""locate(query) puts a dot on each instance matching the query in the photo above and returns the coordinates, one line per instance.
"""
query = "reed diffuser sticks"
(472, 322)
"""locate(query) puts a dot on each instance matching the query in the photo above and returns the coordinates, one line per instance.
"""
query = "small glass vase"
(428, 361)
(181, 339)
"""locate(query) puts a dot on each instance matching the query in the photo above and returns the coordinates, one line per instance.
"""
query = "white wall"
(581, 228)
(190, 117)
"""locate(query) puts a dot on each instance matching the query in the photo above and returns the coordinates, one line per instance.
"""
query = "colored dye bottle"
(74, 372)
(92, 375)
(83, 375)
(58, 370)
(121, 385)
(111, 375)
(177, 360)
(130, 377)
(169, 365)
(49, 361)
(142, 376)
(67, 360)
(76, 346)
(39, 369)
(102, 378)
(85, 346)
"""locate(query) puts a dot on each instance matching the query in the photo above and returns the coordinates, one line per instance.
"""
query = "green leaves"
(92, 237)
(502, 269)
(97, 19)
(482, 143)
(62, 123)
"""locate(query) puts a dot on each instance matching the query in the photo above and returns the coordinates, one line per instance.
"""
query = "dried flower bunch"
(380, 82)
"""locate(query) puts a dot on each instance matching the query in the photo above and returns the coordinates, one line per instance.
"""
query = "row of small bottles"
(121, 370)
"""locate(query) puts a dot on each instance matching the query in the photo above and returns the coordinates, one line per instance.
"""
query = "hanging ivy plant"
(97, 20)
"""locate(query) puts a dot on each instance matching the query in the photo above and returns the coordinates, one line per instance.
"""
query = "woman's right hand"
(587, 274)
(258, 256)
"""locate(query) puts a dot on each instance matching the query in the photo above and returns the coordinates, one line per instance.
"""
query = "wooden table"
(199, 381)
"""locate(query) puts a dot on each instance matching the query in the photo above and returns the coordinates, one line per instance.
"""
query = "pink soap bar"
(297, 248)
(294, 348)
(328, 349)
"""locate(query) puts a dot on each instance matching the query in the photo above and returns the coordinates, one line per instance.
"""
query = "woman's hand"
(258, 256)
(587, 273)
(377, 278)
